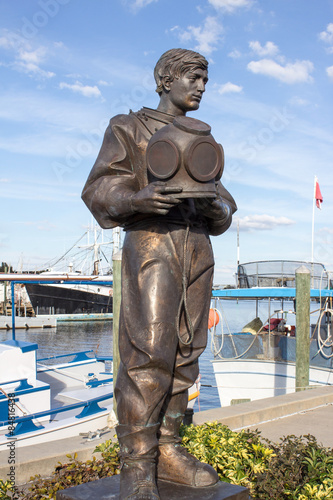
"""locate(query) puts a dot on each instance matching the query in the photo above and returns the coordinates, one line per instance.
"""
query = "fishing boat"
(41, 401)
(61, 298)
(259, 360)
(93, 258)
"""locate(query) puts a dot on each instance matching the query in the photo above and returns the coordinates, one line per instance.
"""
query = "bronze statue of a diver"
(167, 272)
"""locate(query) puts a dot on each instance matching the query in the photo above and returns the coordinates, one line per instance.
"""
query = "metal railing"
(25, 424)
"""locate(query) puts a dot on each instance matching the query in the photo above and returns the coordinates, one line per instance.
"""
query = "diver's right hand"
(155, 199)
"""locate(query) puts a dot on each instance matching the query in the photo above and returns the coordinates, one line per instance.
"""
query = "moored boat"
(259, 360)
(90, 259)
(43, 400)
(40, 402)
(59, 298)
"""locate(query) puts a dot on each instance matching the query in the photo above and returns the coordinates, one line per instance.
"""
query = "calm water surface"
(81, 336)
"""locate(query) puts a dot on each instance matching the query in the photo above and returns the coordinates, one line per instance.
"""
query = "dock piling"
(302, 328)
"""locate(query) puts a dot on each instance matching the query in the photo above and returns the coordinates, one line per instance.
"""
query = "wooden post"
(116, 313)
(302, 328)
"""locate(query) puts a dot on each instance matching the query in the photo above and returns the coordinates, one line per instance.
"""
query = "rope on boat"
(217, 352)
(17, 406)
(329, 341)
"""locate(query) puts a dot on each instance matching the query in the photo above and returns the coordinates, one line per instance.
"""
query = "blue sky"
(68, 66)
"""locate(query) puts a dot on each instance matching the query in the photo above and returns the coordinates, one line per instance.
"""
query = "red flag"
(318, 195)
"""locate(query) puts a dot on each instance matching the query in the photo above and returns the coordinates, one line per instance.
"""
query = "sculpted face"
(185, 93)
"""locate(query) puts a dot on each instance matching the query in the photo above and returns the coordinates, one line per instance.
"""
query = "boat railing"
(280, 273)
(22, 278)
(25, 423)
(23, 384)
(78, 356)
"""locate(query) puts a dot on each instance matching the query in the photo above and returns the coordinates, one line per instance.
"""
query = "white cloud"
(59, 45)
(290, 73)
(230, 5)
(229, 87)
(32, 68)
(85, 90)
(235, 54)
(298, 102)
(26, 59)
(5, 42)
(32, 56)
(206, 36)
(329, 71)
(103, 83)
(261, 222)
(269, 49)
(4, 180)
(139, 4)
(327, 36)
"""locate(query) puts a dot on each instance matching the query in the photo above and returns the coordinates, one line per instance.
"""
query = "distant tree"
(5, 268)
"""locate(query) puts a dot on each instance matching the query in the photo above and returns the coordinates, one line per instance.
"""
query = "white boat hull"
(249, 380)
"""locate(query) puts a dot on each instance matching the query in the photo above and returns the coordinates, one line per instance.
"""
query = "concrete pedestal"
(108, 489)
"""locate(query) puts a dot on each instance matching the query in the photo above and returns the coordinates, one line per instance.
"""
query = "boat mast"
(96, 248)
(238, 252)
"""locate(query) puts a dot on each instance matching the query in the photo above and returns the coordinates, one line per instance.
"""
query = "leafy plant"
(238, 457)
(297, 468)
(300, 469)
(75, 472)
(5, 488)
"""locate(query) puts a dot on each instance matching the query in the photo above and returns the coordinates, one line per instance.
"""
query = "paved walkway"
(318, 422)
(306, 412)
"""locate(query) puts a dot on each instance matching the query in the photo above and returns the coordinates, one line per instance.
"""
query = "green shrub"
(74, 473)
(238, 457)
(5, 488)
(300, 469)
(297, 468)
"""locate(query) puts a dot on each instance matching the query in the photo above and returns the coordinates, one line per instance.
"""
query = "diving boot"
(174, 463)
(138, 451)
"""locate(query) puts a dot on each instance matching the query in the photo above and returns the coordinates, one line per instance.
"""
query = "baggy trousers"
(154, 364)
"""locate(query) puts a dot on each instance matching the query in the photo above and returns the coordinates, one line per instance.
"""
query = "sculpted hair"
(175, 63)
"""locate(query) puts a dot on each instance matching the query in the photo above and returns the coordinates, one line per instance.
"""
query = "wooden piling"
(302, 328)
(116, 313)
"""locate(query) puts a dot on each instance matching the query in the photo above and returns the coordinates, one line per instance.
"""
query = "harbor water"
(76, 336)
(82, 336)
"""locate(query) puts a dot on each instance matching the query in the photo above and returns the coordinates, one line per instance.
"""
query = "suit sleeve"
(218, 215)
(112, 182)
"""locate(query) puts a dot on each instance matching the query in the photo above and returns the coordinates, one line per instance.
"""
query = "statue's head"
(176, 62)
